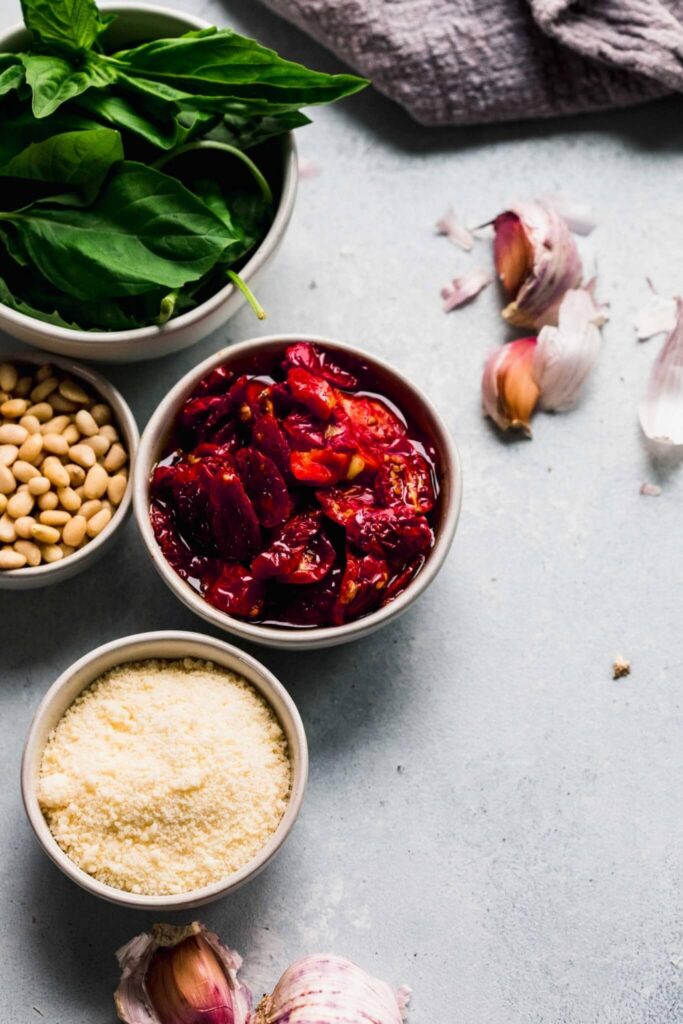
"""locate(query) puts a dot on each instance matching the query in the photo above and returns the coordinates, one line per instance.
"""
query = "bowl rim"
(268, 686)
(259, 257)
(282, 637)
(125, 420)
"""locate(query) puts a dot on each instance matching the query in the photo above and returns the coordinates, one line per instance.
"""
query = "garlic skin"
(464, 289)
(661, 410)
(566, 354)
(180, 975)
(509, 389)
(537, 262)
(327, 989)
(450, 226)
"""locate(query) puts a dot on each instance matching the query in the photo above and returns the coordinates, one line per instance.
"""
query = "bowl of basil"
(149, 174)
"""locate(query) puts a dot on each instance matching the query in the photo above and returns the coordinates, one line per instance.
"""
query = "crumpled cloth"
(473, 61)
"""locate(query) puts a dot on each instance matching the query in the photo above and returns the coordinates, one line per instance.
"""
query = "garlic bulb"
(175, 975)
(537, 262)
(661, 411)
(566, 354)
(508, 389)
(324, 989)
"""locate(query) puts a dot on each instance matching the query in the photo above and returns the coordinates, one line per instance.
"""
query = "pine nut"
(8, 531)
(38, 485)
(45, 534)
(74, 531)
(86, 424)
(99, 444)
(30, 422)
(24, 471)
(30, 551)
(48, 500)
(12, 433)
(89, 508)
(54, 517)
(31, 448)
(8, 453)
(60, 404)
(51, 552)
(110, 432)
(13, 408)
(56, 425)
(11, 559)
(8, 376)
(23, 387)
(23, 526)
(55, 443)
(43, 412)
(73, 392)
(116, 458)
(68, 498)
(43, 372)
(72, 434)
(98, 522)
(96, 482)
(7, 481)
(80, 492)
(55, 472)
(3, 503)
(66, 549)
(76, 474)
(117, 488)
(41, 391)
(101, 413)
(20, 505)
(83, 456)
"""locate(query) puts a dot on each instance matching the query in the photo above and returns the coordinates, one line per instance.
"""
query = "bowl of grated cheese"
(163, 770)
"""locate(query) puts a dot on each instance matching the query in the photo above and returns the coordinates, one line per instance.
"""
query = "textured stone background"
(490, 817)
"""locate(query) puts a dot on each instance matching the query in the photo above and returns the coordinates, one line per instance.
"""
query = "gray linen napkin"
(470, 61)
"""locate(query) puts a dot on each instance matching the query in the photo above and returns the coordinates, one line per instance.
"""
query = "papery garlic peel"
(328, 989)
(180, 975)
(661, 410)
(509, 390)
(566, 354)
(537, 261)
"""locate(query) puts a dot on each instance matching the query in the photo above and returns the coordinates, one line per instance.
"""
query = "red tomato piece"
(389, 532)
(304, 431)
(236, 592)
(209, 450)
(216, 382)
(249, 397)
(265, 486)
(234, 524)
(180, 557)
(310, 357)
(312, 391)
(300, 553)
(185, 488)
(372, 421)
(307, 606)
(362, 587)
(200, 417)
(405, 480)
(341, 503)
(402, 578)
(320, 467)
(268, 437)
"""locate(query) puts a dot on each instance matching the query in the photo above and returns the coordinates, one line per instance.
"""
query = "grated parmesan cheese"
(165, 776)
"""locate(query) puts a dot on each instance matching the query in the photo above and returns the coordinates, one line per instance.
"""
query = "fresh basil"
(247, 132)
(12, 74)
(20, 306)
(74, 24)
(79, 159)
(165, 127)
(54, 80)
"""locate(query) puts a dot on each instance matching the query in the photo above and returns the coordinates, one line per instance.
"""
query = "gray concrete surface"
(490, 817)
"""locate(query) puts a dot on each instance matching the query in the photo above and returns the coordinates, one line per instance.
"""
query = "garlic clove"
(450, 226)
(579, 217)
(566, 354)
(509, 388)
(331, 989)
(180, 975)
(661, 410)
(464, 289)
(537, 261)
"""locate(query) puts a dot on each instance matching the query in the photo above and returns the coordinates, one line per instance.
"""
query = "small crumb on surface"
(650, 490)
(621, 668)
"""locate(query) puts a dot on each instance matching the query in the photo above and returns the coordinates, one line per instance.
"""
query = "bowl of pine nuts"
(67, 442)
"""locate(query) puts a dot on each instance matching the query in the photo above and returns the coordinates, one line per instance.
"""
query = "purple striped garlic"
(327, 989)
(537, 262)
(180, 975)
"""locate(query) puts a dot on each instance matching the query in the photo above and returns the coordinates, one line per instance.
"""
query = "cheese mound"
(165, 776)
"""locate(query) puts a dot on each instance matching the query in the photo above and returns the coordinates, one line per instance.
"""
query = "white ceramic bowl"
(138, 23)
(169, 644)
(54, 572)
(407, 397)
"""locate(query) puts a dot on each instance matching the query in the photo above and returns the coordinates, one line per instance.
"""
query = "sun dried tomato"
(268, 437)
(400, 580)
(341, 503)
(306, 606)
(188, 564)
(313, 392)
(362, 587)
(389, 532)
(200, 417)
(265, 486)
(184, 486)
(209, 450)
(216, 382)
(372, 421)
(320, 466)
(309, 357)
(233, 521)
(250, 397)
(300, 552)
(236, 592)
(304, 431)
(405, 480)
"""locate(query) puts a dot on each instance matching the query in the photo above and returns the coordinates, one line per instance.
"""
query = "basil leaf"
(247, 132)
(246, 215)
(20, 306)
(79, 159)
(75, 24)
(54, 80)
(21, 129)
(216, 63)
(12, 74)
(145, 230)
(165, 129)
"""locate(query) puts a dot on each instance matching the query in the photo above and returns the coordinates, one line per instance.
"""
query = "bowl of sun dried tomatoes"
(296, 491)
